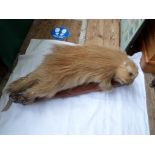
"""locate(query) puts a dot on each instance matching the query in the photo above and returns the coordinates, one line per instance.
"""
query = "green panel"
(128, 30)
(12, 34)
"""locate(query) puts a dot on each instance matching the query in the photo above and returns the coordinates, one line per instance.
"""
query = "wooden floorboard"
(150, 98)
(103, 32)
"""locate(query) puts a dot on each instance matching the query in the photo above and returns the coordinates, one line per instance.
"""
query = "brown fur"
(70, 66)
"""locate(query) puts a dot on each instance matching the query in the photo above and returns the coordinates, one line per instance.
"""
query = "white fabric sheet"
(122, 111)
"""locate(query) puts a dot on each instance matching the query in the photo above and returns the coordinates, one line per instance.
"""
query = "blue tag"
(60, 33)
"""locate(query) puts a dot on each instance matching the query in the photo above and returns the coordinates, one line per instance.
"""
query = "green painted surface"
(12, 34)
(128, 29)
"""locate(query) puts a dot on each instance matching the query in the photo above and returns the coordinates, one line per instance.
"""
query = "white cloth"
(122, 111)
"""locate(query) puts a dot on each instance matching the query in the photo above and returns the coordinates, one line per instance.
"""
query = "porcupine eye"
(130, 74)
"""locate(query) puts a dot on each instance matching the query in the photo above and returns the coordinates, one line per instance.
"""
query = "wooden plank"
(150, 99)
(103, 32)
(75, 28)
(91, 31)
(41, 28)
(100, 32)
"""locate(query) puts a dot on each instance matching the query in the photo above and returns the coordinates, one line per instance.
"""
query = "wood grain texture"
(150, 99)
(103, 32)
(74, 28)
